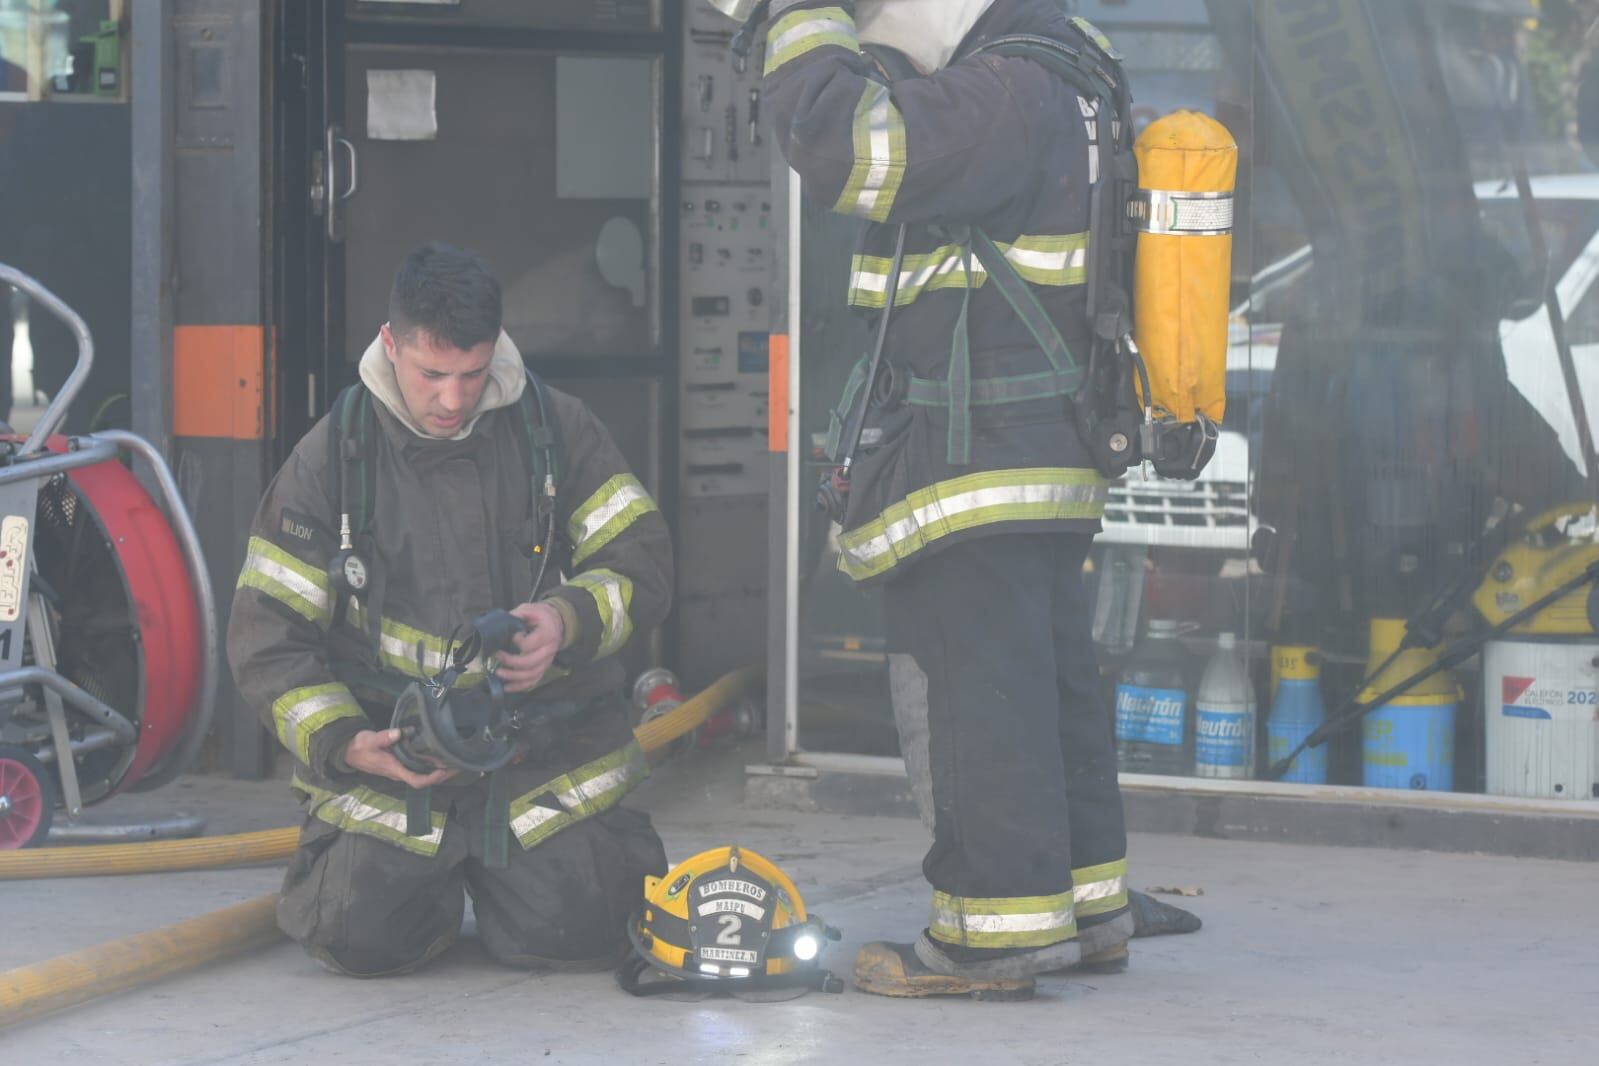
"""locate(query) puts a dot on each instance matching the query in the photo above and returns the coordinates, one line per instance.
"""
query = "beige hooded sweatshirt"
(507, 379)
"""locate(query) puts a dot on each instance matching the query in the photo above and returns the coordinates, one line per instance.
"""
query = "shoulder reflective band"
(1186, 214)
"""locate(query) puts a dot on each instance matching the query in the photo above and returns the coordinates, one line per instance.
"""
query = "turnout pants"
(1009, 743)
(368, 905)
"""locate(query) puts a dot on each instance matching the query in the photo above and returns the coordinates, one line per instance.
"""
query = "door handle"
(335, 217)
(355, 178)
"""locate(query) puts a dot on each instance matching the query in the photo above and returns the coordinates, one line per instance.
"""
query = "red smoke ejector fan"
(108, 633)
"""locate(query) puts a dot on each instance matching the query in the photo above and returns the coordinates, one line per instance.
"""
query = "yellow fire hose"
(31, 991)
(157, 856)
(105, 968)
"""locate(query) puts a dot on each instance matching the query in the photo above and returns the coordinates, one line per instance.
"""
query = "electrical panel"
(726, 245)
(727, 251)
(724, 138)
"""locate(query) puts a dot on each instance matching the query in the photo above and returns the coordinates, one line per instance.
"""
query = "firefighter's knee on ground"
(375, 960)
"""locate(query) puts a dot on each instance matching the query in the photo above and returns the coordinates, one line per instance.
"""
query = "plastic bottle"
(1154, 734)
(1224, 716)
(1296, 712)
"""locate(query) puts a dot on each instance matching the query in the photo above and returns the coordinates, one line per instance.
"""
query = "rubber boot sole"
(1104, 948)
(883, 969)
(1111, 960)
(1020, 967)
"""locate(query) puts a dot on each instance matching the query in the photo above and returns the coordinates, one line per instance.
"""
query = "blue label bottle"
(1296, 711)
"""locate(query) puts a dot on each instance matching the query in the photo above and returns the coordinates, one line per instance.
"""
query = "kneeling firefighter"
(987, 144)
(451, 489)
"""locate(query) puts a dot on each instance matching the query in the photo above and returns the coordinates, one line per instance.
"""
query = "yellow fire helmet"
(725, 920)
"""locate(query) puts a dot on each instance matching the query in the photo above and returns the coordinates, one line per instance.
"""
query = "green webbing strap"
(418, 812)
(497, 822)
(959, 379)
(835, 427)
(1020, 296)
(355, 478)
(991, 392)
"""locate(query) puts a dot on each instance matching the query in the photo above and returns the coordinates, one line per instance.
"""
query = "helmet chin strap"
(927, 33)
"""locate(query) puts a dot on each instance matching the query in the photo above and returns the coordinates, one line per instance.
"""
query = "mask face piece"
(927, 31)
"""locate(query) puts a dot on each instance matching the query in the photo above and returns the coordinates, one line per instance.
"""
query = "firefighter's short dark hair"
(448, 292)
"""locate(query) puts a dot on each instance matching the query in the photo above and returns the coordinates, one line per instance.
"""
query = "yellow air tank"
(1187, 167)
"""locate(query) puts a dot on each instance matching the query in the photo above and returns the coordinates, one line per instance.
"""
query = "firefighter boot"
(1151, 917)
(885, 969)
(1105, 944)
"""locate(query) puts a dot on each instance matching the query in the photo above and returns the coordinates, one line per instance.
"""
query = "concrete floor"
(1309, 955)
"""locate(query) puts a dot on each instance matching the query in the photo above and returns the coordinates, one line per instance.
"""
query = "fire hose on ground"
(31, 991)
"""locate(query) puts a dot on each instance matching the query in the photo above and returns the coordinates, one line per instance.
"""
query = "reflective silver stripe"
(623, 496)
(356, 810)
(398, 643)
(1094, 890)
(812, 28)
(1061, 918)
(882, 154)
(617, 630)
(404, 651)
(369, 812)
(397, 647)
(535, 817)
(613, 596)
(291, 580)
(799, 33)
(1064, 259)
(613, 508)
(1183, 214)
(934, 514)
(575, 797)
(1050, 260)
(879, 150)
(595, 787)
(584, 791)
(911, 281)
(1027, 921)
(302, 711)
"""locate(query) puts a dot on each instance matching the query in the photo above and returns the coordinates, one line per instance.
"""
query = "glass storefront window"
(1406, 460)
(61, 49)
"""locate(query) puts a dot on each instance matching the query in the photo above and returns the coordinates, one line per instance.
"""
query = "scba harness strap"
(354, 492)
(353, 571)
(1104, 404)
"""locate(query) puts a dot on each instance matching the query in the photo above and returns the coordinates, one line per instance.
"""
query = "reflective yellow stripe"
(299, 713)
(946, 507)
(1057, 261)
(371, 813)
(616, 505)
(293, 582)
(586, 791)
(801, 32)
(1100, 889)
(613, 595)
(1015, 922)
(397, 651)
(879, 168)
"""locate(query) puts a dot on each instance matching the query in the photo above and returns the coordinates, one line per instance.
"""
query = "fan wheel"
(97, 641)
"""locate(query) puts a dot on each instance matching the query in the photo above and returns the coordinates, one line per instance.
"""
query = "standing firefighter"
(451, 482)
(978, 504)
